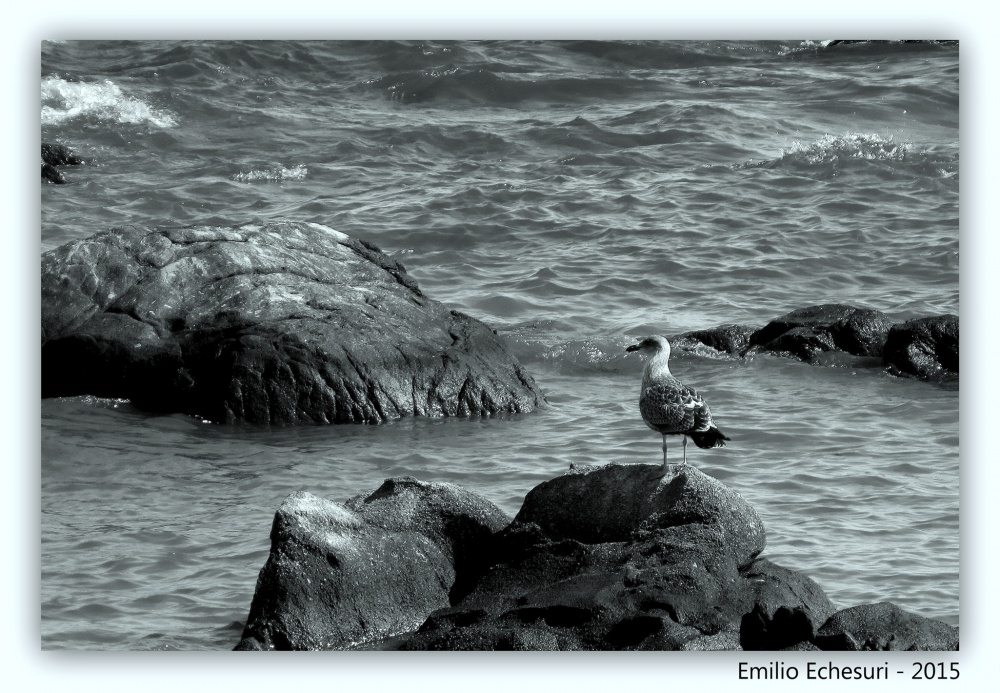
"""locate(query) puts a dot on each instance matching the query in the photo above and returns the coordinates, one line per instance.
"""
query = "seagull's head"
(651, 345)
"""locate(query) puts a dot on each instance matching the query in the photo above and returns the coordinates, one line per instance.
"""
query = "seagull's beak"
(634, 347)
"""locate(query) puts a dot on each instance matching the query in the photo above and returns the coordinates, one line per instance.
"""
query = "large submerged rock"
(270, 323)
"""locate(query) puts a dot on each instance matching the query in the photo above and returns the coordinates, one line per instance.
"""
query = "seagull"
(668, 406)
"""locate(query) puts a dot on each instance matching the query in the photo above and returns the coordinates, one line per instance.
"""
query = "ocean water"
(575, 196)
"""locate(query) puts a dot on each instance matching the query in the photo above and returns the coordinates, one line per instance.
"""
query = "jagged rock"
(343, 574)
(926, 347)
(884, 626)
(269, 323)
(808, 332)
(788, 610)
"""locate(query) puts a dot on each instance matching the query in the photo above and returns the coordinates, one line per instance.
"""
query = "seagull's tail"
(712, 438)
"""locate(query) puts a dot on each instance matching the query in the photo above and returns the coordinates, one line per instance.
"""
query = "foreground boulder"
(273, 323)
(925, 348)
(613, 557)
(601, 558)
(342, 574)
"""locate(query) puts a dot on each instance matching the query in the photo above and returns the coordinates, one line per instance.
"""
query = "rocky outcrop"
(340, 574)
(614, 557)
(601, 558)
(840, 335)
(270, 323)
(54, 155)
(884, 626)
(731, 339)
(807, 332)
(925, 348)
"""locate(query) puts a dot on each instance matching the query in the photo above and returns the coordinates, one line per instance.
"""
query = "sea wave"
(64, 100)
(272, 175)
(482, 85)
(852, 145)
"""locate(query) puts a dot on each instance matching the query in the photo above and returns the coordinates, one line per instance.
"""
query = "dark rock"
(668, 591)
(340, 575)
(418, 566)
(925, 348)
(807, 332)
(730, 339)
(57, 155)
(884, 626)
(649, 563)
(273, 323)
(610, 503)
(802, 647)
(51, 174)
(789, 608)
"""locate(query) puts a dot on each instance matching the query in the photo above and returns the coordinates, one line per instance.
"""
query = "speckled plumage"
(670, 407)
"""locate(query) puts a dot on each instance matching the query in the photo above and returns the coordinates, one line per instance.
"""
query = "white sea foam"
(272, 175)
(63, 100)
(852, 145)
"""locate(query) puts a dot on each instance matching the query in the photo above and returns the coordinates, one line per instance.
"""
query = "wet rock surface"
(924, 348)
(53, 156)
(731, 339)
(806, 332)
(271, 323)
(841, 335)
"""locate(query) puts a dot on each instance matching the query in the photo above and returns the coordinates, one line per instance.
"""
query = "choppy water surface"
(574, 196)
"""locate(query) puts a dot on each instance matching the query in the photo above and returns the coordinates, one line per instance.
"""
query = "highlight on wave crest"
(831, 149)
(272, 175)
(99, 402)
(63, 100)
(853, 145)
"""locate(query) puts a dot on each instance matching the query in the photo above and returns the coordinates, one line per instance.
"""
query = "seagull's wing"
(701, 415)
(671, 407)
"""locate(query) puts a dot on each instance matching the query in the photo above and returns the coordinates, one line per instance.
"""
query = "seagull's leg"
(685, 449)
(664, 451)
